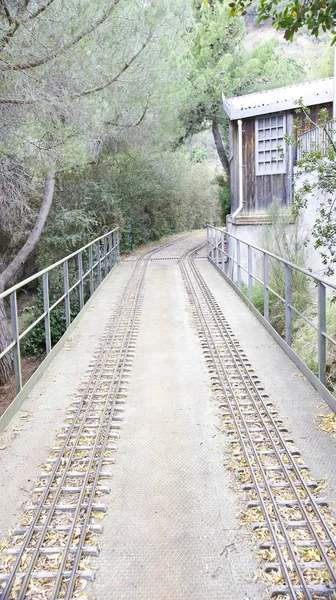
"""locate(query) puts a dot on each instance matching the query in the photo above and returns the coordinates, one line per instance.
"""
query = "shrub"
(306, 344)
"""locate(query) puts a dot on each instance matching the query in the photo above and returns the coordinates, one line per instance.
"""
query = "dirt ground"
(29, 364)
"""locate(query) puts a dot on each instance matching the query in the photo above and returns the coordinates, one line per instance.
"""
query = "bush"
(306, 344)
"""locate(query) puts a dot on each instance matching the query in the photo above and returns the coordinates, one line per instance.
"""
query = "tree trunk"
(220, 148)
(6, 363)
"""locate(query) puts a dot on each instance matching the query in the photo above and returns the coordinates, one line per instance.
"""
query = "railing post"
(98, 262)
(238, 265)
(105, 256)
(47, 331)
(66, 291)
(216, 245)
(266, 290)
(231, 262)
(222, 247)
(111, 250)
(118, 245)
(91, 269)
(16, 349)
(288, 300)
(208, 240)
(322, 326)
(249, 271)
(80, 279)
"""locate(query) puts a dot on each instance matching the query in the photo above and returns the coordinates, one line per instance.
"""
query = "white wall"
(253, 234)
(309, 215)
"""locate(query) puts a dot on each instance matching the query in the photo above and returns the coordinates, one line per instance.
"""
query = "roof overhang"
(280, 99)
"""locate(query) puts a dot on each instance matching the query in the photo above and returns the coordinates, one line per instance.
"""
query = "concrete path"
(172, 530)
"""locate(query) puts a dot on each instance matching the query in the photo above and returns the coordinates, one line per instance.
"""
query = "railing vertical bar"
(80, 279)
(110, 250)
(216, 247)
(266, 290)
(249, 270)
(118, 245)
(322, 326)
(91, 270)
(105, 256)
(288, 300)
(222, 247)
(231, 262)
(15, 334)
(46, 305)
(98, 261)
(239, 282)
(66, 292)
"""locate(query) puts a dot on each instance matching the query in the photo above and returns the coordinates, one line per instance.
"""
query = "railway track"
(294, 526)
(48, 554)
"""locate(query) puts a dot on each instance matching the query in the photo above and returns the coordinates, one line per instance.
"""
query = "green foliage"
(224, 196)
(315, 180)
(305, 342)
(150, 193)
(198, 155)
(34, 341)
(291, 16)
(285, 240)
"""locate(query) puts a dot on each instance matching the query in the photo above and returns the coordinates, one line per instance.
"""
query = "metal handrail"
(279, 258)
(103, 253)
(224, 251)
(316, 139)
(21, 284)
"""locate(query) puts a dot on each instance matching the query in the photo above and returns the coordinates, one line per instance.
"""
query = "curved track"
(48, 554)
(294, 525)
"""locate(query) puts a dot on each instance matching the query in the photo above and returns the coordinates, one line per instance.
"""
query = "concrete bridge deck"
(172, 528)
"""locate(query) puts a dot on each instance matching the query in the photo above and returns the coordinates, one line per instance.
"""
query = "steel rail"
(240, 365)
(71, 440)
(39, 509)
(215, 313)
(84, 525)
(209, 336)
(303, 483)
(108, 410)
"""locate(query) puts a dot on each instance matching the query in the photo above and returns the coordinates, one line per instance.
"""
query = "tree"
(314, 15)
(316, 177)
(57, 59)
(218, 62)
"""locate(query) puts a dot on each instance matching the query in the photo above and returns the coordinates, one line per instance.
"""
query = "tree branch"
(16, 22)
(134, 124)
(110, 82)
(23, 101)
(19, 260)
(18, 101)
(7, 12)
(72, 42)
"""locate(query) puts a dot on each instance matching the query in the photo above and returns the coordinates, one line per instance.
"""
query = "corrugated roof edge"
(278, 99)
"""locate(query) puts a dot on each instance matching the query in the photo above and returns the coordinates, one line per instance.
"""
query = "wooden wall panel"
(259, 191)
(314, 115)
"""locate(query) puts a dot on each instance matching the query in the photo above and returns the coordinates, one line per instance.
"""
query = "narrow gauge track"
(47, 557)
(295, 527)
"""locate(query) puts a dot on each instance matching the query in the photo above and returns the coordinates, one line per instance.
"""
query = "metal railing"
(80, 272)
(244, 265)
(315, 139)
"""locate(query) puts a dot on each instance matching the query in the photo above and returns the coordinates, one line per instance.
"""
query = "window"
(270, 148)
